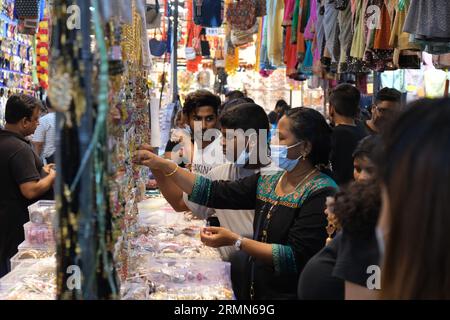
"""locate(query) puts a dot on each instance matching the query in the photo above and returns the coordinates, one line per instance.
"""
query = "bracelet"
(173, 172)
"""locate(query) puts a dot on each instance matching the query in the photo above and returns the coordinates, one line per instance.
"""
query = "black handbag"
(157, 47)
(204, 44)
(410, 60)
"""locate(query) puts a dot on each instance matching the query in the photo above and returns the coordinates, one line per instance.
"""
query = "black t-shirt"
(18, 164)
(344, 141)
(346, 258)
(355, 255)
(368, 130)
(316, 281)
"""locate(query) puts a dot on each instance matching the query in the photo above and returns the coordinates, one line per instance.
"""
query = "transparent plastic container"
(30, 280)
(182, 279)
(28, 255)
(40, 235)
(43, 211)
(45, 247)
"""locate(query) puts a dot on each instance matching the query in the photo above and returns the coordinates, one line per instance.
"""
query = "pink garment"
(288, 12)
(310, 29)
(353, 5)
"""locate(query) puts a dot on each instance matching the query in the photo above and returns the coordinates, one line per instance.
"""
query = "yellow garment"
(358, 42)
(275, 13)
(399, 39)
(258, 45)
(232, 62)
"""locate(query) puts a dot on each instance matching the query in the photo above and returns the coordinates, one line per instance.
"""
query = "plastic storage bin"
(40, 235)
(26, 255)
(43, 211)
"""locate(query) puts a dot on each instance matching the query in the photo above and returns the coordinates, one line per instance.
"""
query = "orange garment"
(301, 48)
(290, 53)
(382, 36)
(193, 32)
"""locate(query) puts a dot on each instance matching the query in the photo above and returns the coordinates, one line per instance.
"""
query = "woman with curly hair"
(339, 271)
(346, 258)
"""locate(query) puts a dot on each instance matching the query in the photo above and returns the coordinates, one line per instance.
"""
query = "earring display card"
(16, 52)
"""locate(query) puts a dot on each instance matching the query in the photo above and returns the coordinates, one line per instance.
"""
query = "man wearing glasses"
(387, 104)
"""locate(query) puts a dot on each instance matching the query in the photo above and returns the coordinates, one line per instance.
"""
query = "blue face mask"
(279, 155)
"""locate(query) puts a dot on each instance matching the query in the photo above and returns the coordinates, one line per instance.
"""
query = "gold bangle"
(173, 172)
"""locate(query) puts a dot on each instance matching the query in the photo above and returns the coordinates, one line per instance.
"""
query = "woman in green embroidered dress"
(289, 224)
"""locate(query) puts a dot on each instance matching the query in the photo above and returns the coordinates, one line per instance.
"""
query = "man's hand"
(52, 174)
(48, 168)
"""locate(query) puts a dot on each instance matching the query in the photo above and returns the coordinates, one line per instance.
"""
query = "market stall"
(118, 82)
(160, 257)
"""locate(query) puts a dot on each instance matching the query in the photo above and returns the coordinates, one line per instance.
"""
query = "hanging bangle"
(173, 172)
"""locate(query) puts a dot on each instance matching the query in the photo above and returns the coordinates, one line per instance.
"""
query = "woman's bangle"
(173, 172)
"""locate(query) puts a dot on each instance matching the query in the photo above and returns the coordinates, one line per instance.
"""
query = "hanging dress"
(399, 39)
(288, 12)
(356, 63)
(345, 37)
(275, 10)
(428, 21)
(331, 31)
(378, 54)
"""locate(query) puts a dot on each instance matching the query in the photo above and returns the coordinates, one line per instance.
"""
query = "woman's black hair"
(357, 208)
(368, 147)
(281, 103)
(415, 168)
(273, 117)
(308, 124)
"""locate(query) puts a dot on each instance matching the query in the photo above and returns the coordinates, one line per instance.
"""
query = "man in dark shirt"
(344, 109)
(387, 106)
(23, 178)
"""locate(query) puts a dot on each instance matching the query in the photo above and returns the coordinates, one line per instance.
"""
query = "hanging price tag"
(214, 32)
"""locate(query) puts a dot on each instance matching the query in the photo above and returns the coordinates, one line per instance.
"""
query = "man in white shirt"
(3, 101)
(195, 151)
(45, 135)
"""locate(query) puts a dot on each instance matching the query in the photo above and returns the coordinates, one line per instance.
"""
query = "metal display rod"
(174, 53)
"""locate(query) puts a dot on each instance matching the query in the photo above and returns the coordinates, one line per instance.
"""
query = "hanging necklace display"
(129, 96)
(72, 98)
